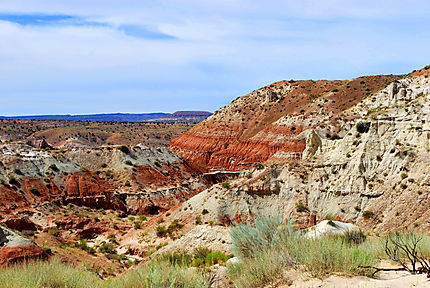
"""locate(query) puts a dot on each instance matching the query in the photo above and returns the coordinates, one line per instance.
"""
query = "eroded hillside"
(374, 173)
(66, 134)
(269, 122)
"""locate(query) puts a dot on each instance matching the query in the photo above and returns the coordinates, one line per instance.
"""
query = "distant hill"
(113, 117)
(179, 116)
(183, 116)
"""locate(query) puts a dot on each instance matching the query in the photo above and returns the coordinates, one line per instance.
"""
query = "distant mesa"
(179, 116)
(183, 116)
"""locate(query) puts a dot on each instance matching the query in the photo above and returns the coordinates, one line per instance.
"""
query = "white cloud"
(223, 49)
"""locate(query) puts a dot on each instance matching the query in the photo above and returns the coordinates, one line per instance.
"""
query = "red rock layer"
(152, 190)
(11, 255)
(243, 133)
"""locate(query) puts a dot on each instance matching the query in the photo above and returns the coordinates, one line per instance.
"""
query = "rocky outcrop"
(133, 180)
(327, 227)
(216, 238)
(15, 248)
(38, 143)
(313, 143)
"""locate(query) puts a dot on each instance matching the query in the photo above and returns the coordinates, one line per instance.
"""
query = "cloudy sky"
(93, 56)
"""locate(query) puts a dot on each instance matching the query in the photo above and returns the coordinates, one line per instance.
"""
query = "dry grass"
(54, 274)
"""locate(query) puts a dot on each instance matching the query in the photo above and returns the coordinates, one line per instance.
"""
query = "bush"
(355, 237)
(18, 172)
(264, 233)
(84, 246)
(54, 168)
(34, 191)
(124, 149)
(368, 214)
(300, 207)
(137, 224)
(107, 248)
(216, 258)
(173, 227)
(225, 185)
(268, 246)
(363, 127)
(259, 166)
(13, 181)
(161, 231)
(333, 254)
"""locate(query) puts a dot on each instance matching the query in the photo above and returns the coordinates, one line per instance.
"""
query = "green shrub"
(18, 172)
(161, 231)
(264, 233)
(124, 149)
(84, 246)
(225, 185)
(54, 168)
(368, 214)
(107, 248)
(259, 166)
(268, 246)
(54, 231)
(216, 258)
(173, 227)
(355, 237)
(13, 181)
(363, 127)
(332, 254)
(300, 207)
(137, 224)
(34, 191)
(199, 220)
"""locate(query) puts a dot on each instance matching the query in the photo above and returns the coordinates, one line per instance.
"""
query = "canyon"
(356, 151)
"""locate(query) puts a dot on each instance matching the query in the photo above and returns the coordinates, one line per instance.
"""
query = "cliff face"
(269, 123)
(376, 174)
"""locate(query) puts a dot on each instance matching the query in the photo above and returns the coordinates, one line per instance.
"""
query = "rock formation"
(267, 124)
(14, 248)
(374, 173)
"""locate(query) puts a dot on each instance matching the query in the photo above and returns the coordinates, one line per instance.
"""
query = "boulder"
(328, 227)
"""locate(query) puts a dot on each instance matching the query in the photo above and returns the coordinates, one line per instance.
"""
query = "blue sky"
(59, 57)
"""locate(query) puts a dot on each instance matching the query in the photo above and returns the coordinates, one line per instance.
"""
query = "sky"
(102, 56)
